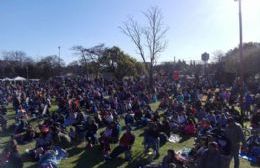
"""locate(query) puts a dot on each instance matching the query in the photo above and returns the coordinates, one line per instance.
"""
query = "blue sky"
(38, 27)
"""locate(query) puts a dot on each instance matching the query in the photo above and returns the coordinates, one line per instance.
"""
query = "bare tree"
(19, 57)
(149, 38)
(89, 54)
(218, 56)
(90, 57)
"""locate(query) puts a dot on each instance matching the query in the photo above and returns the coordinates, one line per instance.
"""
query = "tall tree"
(148, 38)
(117, 62)
(49, 66)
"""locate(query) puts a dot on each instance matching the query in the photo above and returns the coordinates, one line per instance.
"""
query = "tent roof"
(7, 79)
(19, 78)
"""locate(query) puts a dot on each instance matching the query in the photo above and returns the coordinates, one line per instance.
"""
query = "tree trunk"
(151, 80)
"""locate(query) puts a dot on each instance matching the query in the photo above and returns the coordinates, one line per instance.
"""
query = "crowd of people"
(100, 113)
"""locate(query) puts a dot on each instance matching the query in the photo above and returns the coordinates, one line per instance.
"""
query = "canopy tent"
(19, 78)
(7, 79)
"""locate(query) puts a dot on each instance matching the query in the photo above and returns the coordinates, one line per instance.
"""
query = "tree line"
(97, 60)
(93, 61)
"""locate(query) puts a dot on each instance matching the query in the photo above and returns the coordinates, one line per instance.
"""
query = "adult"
(235, 135)
(125, 144)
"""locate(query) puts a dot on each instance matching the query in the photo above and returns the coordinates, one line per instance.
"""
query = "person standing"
(235, 135)
(125, 144)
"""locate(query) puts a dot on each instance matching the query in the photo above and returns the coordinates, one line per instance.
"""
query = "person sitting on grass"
(129, 118)
(200, 146)
(22, 113)
(125, 144)
(52, 157)
(20, 126)
(156, 116)
(138, 116)
(204, 126)
(211, 158)
(60, 138)
(211, 118)
(10, 156)
(91, 133)
(190, 128)
(253, 143)
(255, 121)
(3, 122)
(28, 136)
(164, 103)
(181, 119)
(171, 159)
(165, 127)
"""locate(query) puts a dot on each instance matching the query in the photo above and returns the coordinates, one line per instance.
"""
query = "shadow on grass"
(112, 163)
(139, 160)
(27, 159)
(74, 151)
(123, 128)
(94, 157)
(7, 133)
(90, 158)
(184, 138)
(254, 165)
(141, 134)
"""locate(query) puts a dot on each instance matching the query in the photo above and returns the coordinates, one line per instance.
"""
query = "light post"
(27, 72)
(241, 56)
(59, 66)
(59, 54)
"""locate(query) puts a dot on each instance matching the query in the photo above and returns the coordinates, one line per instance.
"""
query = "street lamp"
(240, 41)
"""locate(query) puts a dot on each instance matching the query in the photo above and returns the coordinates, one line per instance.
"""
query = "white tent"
(19, 78)
(7, 79)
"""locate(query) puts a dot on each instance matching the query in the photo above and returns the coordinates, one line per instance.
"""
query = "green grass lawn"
(86, 158)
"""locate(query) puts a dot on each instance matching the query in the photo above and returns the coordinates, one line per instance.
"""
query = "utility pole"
(59, 67)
